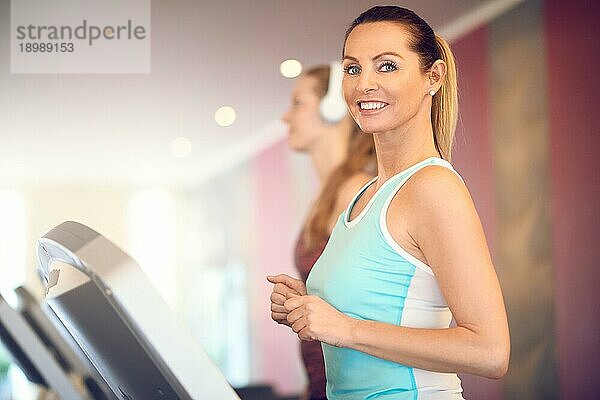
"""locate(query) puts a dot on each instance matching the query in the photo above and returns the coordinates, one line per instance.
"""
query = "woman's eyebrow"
(387, 53)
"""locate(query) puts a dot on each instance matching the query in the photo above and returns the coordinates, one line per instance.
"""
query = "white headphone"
(332, 106)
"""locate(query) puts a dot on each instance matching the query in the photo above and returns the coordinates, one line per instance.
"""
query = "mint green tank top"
(365, 274)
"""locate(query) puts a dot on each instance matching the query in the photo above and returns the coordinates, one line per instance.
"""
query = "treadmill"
(121, 323)
(60, 343)
(32, 356)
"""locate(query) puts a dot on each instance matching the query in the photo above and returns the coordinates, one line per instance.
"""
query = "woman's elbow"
(497, 362)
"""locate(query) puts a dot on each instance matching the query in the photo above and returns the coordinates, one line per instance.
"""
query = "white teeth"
(373, 105)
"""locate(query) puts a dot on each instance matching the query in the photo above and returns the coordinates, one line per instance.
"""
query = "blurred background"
(209, 210)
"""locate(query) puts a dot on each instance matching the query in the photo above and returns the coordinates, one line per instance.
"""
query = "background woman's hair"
(429, 47)
(360, 157)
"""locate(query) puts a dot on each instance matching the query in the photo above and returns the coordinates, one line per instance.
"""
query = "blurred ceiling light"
(290, 68)
(225, 116)
(181, 147)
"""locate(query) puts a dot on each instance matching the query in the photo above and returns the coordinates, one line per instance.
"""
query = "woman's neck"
(329, 153)
(327, 156)
(403, 147)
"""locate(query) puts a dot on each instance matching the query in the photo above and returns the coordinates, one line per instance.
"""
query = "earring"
(432, 92)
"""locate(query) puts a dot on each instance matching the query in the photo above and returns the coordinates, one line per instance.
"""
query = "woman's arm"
(447, 230)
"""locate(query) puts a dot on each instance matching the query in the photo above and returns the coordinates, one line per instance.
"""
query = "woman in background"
(343, 158)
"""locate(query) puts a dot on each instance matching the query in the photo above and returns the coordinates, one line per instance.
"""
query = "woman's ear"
(437, 74)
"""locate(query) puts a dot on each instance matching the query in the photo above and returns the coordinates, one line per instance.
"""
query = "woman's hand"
(285, 287)
(312, 318)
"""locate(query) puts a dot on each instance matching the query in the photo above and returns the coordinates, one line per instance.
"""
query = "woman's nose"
(367, 82)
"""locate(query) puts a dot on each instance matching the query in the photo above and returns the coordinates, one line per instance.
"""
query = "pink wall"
(274, 348)
(473, 158)
(573, 48)
(473, 151)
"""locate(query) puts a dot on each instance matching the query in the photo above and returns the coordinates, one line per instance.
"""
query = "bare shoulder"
(435, 186)
(435, 197)
(437, 212)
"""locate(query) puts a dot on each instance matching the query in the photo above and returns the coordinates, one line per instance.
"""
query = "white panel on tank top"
(424, 307)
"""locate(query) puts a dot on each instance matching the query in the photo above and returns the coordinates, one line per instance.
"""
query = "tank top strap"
(388, 190)
(381, 206)
(397, 181)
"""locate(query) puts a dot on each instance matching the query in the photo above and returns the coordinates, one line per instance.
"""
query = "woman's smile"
(371, 107)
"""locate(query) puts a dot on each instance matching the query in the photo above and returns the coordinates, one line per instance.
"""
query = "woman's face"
(303, 119)
(383, 83)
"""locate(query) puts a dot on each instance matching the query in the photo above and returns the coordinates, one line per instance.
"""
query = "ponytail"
(444, 107)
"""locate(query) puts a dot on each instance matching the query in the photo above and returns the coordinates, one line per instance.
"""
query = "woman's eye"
(352, 69)
(388, 66)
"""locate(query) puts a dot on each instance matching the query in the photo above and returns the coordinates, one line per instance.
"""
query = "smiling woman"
(396, 69)
(408, 255)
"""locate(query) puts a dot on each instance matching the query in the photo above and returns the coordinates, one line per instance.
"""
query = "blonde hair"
(444, 105)
(359, 158)
(430, 48)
